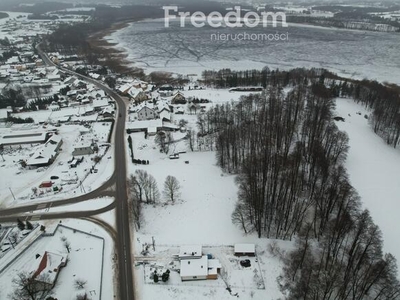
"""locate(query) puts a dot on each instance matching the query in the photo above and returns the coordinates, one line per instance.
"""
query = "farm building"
(47, 153)
(22, 137)
(245, 250)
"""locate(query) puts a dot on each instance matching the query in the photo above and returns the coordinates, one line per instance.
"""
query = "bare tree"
(190, 138)
(151, 191)
(144, 186)
(66, 243)
(171, 188)
(136, 194)
(239, 218)
(27, 288)
(80, 284)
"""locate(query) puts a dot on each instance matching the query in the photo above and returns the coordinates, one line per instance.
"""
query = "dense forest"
(288, 156)
(382, 99)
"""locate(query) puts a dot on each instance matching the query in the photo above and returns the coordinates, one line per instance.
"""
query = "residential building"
(47, 153)
(47, 268)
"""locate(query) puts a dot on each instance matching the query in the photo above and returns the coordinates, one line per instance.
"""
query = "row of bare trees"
(143, 189)
(288, 156)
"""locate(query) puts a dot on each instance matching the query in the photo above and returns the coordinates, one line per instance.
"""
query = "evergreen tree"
(21, 224)
(29, 225)
(165, 276)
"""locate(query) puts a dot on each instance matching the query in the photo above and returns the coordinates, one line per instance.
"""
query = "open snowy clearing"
(374, 170)
(201, 216)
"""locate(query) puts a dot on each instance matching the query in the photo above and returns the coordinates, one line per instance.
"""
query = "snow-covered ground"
(217, 96)
(85, 260)
(374, 169)
(21, 180)
(201, 216)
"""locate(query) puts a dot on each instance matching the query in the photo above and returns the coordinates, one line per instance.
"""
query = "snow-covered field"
(374, 169)
(85, 261)
(191, 50)
(201, 216)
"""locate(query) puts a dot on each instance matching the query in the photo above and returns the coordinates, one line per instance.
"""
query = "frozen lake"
(357, 54)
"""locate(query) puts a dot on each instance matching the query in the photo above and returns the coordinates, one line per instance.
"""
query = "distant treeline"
(360, 10)
(382, 99)
(349, 21)
(39, 8)
(42, 17)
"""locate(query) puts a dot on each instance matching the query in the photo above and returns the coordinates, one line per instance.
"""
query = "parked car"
(245, 263)
(54, 177)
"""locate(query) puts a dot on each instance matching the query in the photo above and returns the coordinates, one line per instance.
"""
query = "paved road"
(123, 236)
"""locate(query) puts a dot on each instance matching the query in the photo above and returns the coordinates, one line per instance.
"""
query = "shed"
(245, 250)
(190, 251)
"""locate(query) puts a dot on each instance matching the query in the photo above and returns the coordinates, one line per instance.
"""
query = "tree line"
(382, 99)
(288, 156)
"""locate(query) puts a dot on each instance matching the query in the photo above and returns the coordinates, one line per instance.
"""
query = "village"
(56, 143)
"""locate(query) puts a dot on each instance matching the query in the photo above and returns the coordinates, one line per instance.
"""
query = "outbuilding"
(245, 250)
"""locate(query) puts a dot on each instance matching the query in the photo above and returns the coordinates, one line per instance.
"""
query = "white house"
(137, 94)
(4, 114)
(46, 154)
(194, 269)
(98, 104)
(146, 113)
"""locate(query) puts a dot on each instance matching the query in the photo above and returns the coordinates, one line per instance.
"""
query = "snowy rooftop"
(245, 248)
(100, 102)
(23, 137)
(213, 266)
(45, 152)
(188, 251)
(47, 264)
(144, 124)
(194, 267)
